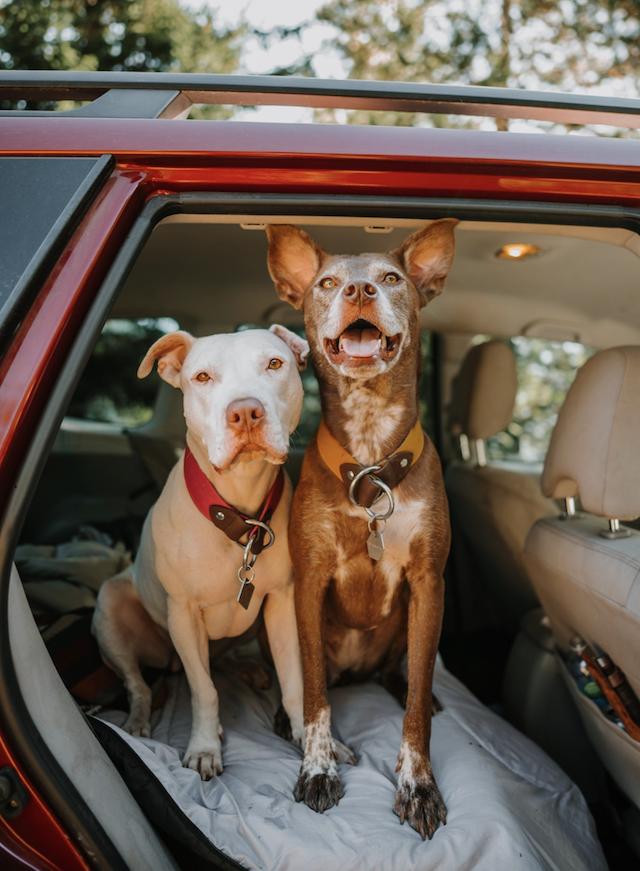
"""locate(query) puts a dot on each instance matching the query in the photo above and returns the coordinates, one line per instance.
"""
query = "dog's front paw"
(320, 790)
(420, 803)
(207, 761)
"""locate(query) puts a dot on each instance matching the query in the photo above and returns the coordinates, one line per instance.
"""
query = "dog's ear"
(300, 347)
(170, 352)
(294, 259)
(427, 256)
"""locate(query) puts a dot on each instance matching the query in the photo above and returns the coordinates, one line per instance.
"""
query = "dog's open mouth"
(361, 343)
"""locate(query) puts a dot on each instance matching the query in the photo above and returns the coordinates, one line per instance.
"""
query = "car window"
(546, 370)
(109, 390)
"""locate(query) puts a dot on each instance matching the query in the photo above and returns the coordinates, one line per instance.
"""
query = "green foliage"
(545, 372)
(115, 35)
(532, 44)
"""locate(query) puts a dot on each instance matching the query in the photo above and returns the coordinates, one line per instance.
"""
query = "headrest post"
(570, 512)
(465, 450)
(481, 453)
(614, 530)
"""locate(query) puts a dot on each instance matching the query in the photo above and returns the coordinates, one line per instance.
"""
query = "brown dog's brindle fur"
(357, 616)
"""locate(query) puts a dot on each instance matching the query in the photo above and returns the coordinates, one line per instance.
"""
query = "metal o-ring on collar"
(246, 574)
(370, 471)
(266, 528)
(262, 525)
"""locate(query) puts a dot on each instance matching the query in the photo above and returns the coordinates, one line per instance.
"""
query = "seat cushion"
(508, 804)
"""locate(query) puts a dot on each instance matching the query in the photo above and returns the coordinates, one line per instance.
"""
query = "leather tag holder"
(229, 521)
(391, 473)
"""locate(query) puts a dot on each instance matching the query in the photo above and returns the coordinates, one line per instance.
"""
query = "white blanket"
(510, 808)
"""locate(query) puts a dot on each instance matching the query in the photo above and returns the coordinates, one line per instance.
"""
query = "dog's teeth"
(383, 341)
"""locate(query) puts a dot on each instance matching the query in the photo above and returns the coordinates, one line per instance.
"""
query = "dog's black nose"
(245, 414)
(360, 291)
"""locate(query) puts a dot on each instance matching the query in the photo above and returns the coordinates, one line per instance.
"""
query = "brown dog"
(363, 599)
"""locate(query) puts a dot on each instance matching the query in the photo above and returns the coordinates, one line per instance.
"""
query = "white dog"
(191, 583)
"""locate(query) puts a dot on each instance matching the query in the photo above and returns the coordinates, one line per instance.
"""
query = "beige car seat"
(492, 507)
(586, 569)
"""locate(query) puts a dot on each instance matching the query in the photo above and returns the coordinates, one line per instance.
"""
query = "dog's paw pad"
(208, 763)
(319, 791)
(421, 804)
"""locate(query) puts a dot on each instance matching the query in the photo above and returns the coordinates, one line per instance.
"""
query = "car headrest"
(484, 391)
(594, 446)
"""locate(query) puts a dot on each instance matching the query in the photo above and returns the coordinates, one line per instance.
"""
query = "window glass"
(109, 389)
(545, 372)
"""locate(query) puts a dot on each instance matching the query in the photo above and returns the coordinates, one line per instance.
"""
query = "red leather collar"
(224, 516)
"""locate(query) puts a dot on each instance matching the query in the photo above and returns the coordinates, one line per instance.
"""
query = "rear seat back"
(492, 507)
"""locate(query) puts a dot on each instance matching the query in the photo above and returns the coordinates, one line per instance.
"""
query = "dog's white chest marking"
(370, 423)
(406, 522)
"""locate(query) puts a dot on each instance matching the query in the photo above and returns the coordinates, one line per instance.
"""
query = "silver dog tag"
(375, 545)
(245, 594)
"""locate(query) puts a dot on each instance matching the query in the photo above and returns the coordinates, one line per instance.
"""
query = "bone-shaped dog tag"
(375, 543)
(245, 594)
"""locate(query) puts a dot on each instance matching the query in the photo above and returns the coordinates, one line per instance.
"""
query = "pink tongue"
(360, 343)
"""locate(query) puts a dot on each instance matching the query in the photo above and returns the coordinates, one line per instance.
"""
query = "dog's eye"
(390, 278)
(275, 363)
(328, 283)
(202, 377)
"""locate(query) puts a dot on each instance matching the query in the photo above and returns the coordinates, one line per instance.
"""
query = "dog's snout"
(360, 291)
(245, 414)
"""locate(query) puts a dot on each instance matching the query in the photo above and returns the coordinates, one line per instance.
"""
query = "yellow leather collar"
(393, 467)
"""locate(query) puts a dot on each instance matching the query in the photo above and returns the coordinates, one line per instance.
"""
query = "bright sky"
(266, 15)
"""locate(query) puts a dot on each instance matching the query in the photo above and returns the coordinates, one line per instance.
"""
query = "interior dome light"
(516, 251)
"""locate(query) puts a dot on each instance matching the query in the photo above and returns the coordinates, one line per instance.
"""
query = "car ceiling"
(210, 274)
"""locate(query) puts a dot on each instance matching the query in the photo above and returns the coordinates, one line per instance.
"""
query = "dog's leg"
(127, 635)
(189, 635)
(282, 632)
(318, 785)
(418, 799)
